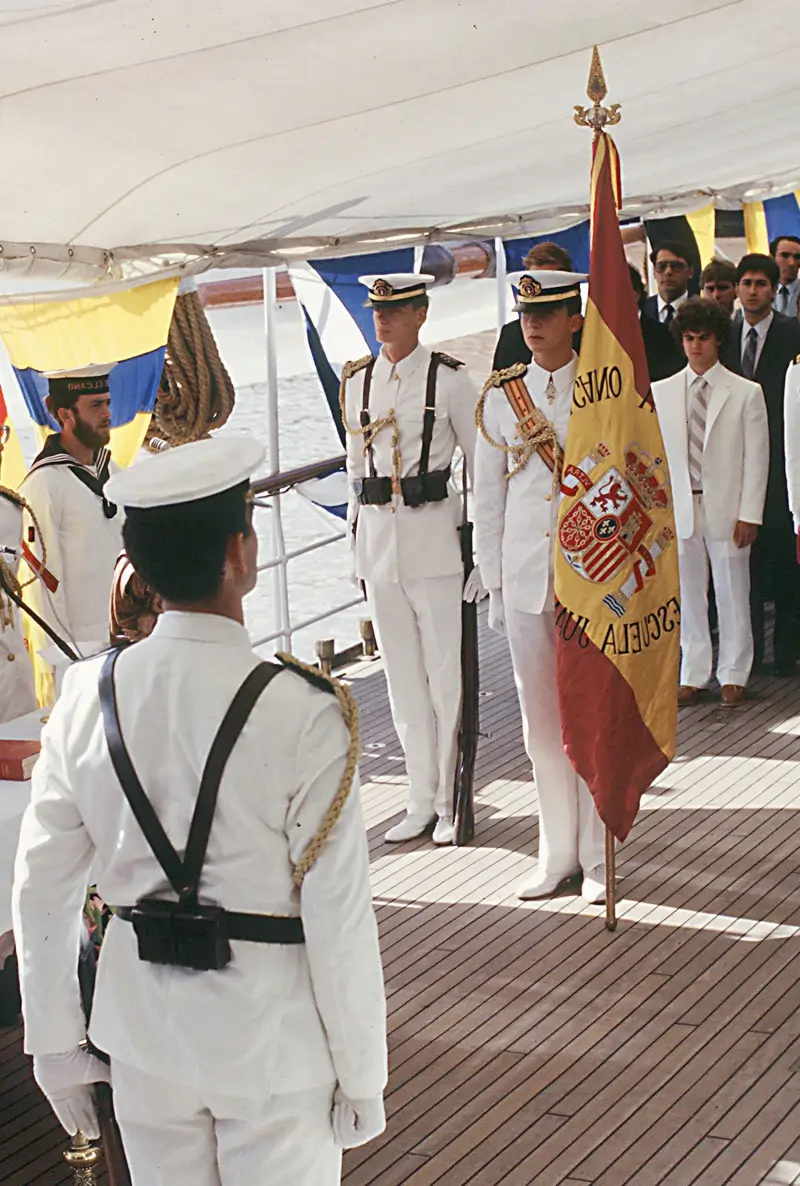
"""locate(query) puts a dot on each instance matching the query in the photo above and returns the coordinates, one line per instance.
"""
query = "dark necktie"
(669, 313)
(783, 293)
(749, 356)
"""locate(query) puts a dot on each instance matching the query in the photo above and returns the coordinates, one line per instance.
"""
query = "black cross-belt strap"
(429, 419)
(370, 367)
(183, 875)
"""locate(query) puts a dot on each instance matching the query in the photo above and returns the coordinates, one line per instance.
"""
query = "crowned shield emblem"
(604, 529)
(529, 288)
(382, 288)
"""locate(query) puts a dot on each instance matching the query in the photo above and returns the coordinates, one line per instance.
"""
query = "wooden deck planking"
(528, 1046)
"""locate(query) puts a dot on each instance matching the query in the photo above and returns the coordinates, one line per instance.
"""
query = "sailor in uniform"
(239, 993)
(522, 418)
(80, 527)
(16, 675)
(405, 411)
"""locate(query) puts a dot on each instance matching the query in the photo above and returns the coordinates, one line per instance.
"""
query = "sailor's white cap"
(544, 285)
(186, 473)
(393, 288)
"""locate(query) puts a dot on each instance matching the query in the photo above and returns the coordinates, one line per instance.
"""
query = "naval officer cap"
(545, 287)
(65, 387)
(186, 474)
(395, 288)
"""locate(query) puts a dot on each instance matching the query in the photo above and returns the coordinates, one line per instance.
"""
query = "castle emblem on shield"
(612, 522)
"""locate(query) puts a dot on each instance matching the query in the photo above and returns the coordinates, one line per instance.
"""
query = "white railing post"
(500, 280)
(280, 584)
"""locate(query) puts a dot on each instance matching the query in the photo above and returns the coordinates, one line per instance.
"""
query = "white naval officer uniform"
(16, 675)
(733, 486)
(222, 1078)
(515, 535)
(791, 427)
(82, 545)
(410, 560)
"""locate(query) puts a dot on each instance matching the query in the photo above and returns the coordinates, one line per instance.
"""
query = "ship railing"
(268, 493)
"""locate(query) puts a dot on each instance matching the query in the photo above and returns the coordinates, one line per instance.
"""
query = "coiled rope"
(196, 393)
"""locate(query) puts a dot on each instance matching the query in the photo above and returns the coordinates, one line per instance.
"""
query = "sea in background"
(462, 320)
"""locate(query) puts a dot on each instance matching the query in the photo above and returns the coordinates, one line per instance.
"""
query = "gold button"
(11, 658)
(547, 498)
(547, 534)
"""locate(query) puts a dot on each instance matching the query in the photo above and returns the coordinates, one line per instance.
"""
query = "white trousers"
(571, 833)
(174, 1136)
(418, 627)
(730, 568)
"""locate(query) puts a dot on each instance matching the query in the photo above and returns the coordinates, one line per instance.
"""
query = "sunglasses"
(665, 265)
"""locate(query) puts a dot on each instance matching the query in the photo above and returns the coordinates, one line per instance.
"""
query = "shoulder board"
(12, 496)
(448, 360)
(312, 675)
(352, 368)
(498, 378)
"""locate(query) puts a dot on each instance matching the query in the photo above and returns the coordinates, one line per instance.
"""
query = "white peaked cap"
(186, 473)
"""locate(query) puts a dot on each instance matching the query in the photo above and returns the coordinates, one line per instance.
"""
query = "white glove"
(497, 613)
(474, 588)
(356, 1121)
(66, 1081)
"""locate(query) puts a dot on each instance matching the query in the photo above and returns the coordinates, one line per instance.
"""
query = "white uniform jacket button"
(11, 658)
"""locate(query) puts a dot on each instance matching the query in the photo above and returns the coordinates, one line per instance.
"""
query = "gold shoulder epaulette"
(498, 378)
(352, 368)
(797, 360)
(312, 674)
(13, 496)
(448, 360)
(347, 703)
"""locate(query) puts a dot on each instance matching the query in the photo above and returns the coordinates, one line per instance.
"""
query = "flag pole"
(597, 117)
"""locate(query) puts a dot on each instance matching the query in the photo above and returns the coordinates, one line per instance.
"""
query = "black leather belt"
(252, 928)
(416, 490)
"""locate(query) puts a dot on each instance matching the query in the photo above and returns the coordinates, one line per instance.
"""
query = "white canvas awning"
(273, 129)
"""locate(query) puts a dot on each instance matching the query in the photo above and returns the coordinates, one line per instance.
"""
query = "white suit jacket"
(82, 549)
(516, 519)
(278, 1018)
(396, 542)
(735, 452)
(791, 425)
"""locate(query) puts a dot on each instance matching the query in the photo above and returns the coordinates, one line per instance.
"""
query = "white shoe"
(544, 885)
(593, 889)
(445, 831)
(409, 828)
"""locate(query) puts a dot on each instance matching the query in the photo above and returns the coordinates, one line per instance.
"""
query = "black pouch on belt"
(373, 492)
(188, 936)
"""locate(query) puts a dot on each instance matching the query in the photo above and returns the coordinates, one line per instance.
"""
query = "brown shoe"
(732, 695)
(687, 695)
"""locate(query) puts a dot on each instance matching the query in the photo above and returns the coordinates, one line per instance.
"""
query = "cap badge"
(382, 288)
(529, 288)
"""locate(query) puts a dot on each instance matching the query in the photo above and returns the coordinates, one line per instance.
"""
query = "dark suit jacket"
(781, 347)
(664, 356)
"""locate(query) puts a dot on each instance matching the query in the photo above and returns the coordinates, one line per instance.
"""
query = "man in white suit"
(714, 425)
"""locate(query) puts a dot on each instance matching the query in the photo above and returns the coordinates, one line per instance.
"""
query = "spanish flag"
(616, 569)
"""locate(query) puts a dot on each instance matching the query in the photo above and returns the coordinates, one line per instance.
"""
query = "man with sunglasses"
(785, 250)
(673, 273)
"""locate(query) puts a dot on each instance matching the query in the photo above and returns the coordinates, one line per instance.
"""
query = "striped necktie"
(698, 411)
(749, 356)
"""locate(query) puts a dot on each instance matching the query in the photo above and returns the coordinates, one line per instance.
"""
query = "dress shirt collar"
(713, 376)
(196, 627)
(676, 304)
(761, 327)
(405, 367)
(564, 378)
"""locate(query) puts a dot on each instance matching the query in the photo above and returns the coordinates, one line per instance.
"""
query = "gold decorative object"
(82, 1157)
(597, 116)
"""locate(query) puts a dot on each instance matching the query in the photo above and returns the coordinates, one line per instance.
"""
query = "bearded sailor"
(522, 419)
(16, 676)
(80, 528)
(405, 411)
(239, 990)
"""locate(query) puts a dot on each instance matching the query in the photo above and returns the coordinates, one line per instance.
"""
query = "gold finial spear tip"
(596, 88)
(597, 116)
